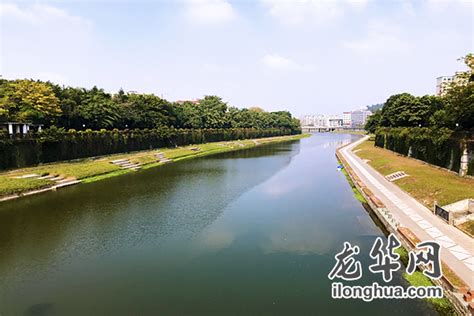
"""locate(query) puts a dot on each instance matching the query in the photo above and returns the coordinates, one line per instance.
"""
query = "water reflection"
(248, 232)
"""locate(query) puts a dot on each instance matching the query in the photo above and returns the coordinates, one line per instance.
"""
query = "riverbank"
(454, 286)
(32, 180)
(349, 131)
(426, 183)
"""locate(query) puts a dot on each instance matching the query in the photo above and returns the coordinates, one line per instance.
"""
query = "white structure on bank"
(18, 128)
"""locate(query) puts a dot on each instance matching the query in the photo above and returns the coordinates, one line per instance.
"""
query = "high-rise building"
(442, 84)
(322, 121)
(359, 118)
(346, 119)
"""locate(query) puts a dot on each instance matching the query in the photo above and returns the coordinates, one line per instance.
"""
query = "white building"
(334, 121)
(355, 119)
(442, 84)
(322, 121)
(359, 118)
(346, 119)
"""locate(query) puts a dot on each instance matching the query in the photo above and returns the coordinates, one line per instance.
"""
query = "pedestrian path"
(459, 248)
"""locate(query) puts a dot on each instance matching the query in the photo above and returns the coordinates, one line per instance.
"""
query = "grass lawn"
(350, 131)
(425, 183)
(90, 170)
(10, 186)
(468, 227)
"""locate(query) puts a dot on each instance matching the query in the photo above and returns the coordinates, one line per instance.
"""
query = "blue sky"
(305, 56)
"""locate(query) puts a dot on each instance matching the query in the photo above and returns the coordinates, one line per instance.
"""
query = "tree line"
(454, 111)
(50, 104)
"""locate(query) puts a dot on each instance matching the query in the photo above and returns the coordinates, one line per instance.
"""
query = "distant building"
(322, 121)
(359, 118)
(347, 119)
(443, 83)
(355, 119)
(195, 101)
(335, 121)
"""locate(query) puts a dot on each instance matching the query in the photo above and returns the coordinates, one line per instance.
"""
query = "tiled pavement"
(458, 247)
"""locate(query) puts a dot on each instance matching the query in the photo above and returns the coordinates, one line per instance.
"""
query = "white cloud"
(39, 14)
(41, 41)
(440, 6)
(210, 11)
(298, 12)
(381, 39)
(278, 62)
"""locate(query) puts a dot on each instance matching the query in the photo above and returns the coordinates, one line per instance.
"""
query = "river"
(247, 232)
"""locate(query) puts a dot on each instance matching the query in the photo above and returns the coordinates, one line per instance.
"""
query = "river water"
(244, 233)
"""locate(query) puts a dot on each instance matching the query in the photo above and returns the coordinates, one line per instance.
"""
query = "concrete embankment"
(50, 177)
(454, 287)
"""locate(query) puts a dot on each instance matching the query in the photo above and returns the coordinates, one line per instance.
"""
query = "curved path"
(457, 248)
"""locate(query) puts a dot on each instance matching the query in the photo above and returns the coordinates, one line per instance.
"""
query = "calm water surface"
(251, 232)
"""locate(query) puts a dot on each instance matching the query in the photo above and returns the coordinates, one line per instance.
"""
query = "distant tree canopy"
(454, 111)
(79, 108)
(375, 107)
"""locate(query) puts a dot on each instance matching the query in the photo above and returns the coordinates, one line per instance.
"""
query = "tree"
(373, 122)
(460, 107)
(97, 110)
(145, 111)
(213, 111)
(29, 101)
(407, 110)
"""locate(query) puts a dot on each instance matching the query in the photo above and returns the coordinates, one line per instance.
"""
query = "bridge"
(321, 129)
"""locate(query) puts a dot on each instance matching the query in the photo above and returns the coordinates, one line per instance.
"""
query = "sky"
(305, 56)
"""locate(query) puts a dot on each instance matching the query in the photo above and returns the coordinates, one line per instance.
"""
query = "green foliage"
(429, 128)
(459, 107)
(81, 109)
(373, 122)
(442, 305)
(57, 144)
(407, 110)
(375, 107)
(28, 101)
(438, 146)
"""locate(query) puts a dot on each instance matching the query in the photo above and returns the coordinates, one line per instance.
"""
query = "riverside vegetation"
(81, 122)
(94, 169)
(430, 128)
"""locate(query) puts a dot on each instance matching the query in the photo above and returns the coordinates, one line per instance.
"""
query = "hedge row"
(58, 144)
(440, 147)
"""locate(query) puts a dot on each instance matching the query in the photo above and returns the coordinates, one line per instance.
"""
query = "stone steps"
(66, 182)
(395, 176)
(161, 158)
(126, 164)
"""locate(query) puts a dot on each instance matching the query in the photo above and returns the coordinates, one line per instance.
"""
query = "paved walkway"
(457, 248)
